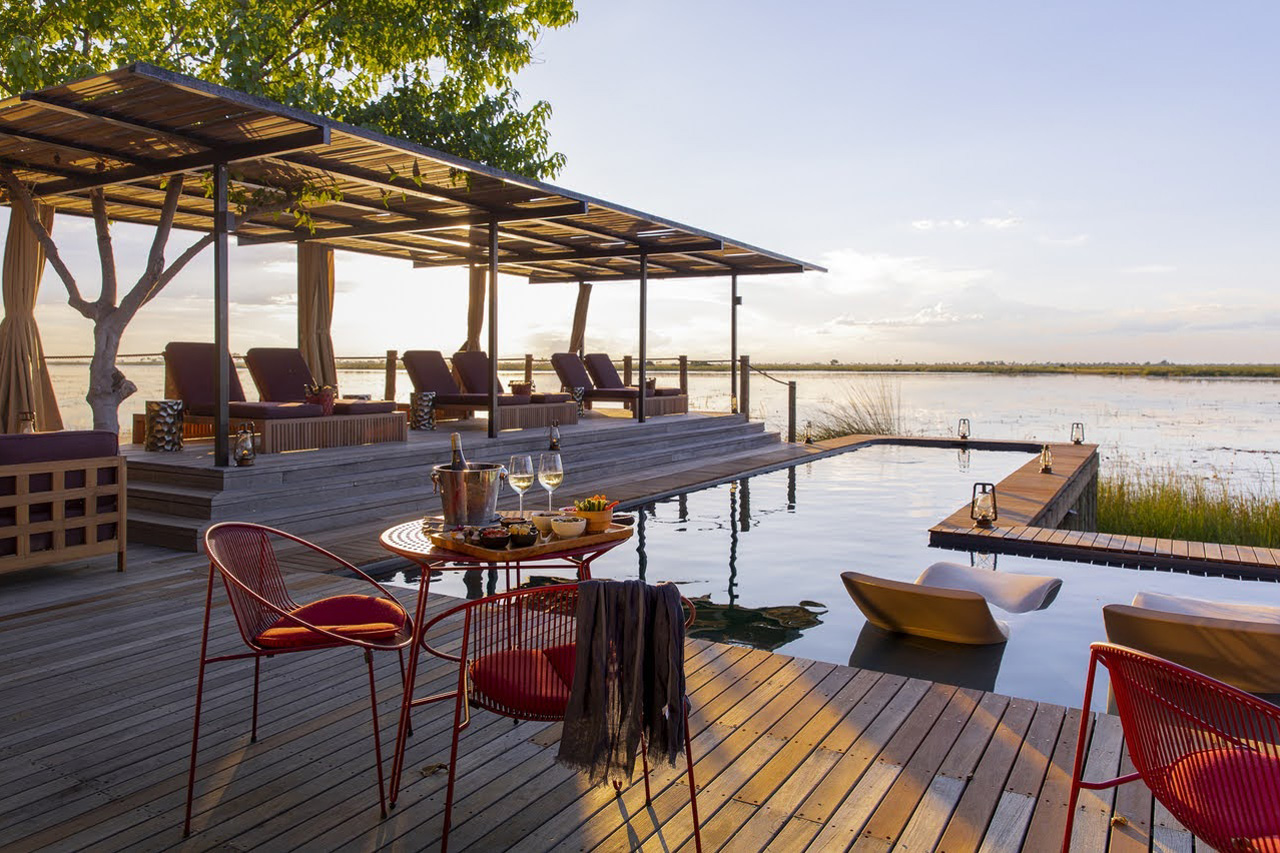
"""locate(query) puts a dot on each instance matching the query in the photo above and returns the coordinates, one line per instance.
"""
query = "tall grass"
(1171, 504)
(873, 407)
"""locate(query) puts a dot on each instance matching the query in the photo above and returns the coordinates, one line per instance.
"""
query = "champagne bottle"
(555, 435)
(458, 462)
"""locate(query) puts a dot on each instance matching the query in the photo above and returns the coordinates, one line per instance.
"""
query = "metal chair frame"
(466, 695)
(276, 605)
(1171, 714)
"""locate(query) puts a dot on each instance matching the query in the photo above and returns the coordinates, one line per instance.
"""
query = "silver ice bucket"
(471, 496)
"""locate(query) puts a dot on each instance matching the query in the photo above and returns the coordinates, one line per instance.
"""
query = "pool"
(762, 557)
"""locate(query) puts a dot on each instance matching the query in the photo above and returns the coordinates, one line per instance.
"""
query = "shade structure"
(25, 385)
(315, 311)
(578, 335)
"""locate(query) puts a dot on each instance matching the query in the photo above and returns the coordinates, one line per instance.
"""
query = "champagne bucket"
(469, 497)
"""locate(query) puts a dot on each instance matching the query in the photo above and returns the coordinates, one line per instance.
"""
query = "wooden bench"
(278, 435)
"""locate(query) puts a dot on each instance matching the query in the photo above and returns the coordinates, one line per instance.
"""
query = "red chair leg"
(253, 729)
(693, 788)
(453, 770)
(404, 681)
(1081, 744)
(195, 731)
(377, 738)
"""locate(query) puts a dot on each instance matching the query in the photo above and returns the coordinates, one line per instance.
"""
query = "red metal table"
(409, 541)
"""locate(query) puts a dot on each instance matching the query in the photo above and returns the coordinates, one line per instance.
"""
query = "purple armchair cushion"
(570, 370)
(363, 407)
(602, 370)
(189, 370)
(21, 449)
(281, 374)
(428, 372)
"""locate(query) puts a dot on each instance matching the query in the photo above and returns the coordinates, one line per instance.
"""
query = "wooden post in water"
(684, 374)
(744, 393)
(791, 412)
(389, 386)
(626, 370)
(528, 367)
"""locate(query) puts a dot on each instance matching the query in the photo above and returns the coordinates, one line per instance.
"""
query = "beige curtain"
(475, 308)
(315, 311)
(25, 385)
(578, 337)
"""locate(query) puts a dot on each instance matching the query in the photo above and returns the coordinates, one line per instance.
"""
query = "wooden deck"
(98, 685)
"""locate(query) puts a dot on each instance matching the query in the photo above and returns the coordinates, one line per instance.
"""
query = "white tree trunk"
(108, 386)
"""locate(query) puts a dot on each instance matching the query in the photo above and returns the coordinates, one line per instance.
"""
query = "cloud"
(1001, 224)
(850, 271)
(1073, 240)
(1151, 269)
(933, 315)
(998, 223)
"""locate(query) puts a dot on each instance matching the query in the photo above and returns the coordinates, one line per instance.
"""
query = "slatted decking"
(98, 682)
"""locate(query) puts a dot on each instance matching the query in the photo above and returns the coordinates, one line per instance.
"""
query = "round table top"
(408, 540)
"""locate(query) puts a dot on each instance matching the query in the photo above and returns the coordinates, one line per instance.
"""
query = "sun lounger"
(473, 369)
(573, 374)
(282, 425)
(1235, 643)
(938, 613)
(1010, 591)
(282, 375)
(429, 372)
(605, 375)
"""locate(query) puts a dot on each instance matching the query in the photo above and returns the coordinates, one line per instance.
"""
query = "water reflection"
(932, 660)
(765, 628)
(962, 459)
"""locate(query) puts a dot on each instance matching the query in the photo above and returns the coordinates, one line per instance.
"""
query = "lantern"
(962, 429)
(1046, 460)
(982, 508)
(1077, 433)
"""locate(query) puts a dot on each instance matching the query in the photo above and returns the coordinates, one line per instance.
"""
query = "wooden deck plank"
(1048, 820)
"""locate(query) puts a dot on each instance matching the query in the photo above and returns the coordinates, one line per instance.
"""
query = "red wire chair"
(271, 623)
(517, 659)
(1210, 753)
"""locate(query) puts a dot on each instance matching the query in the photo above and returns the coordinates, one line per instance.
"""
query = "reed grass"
(872, 407)
(1172, 504)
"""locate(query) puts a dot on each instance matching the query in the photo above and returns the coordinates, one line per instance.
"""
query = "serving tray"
(451, 540)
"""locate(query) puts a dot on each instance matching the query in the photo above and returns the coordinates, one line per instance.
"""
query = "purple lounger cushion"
(282, 376)
(22, 449)
(473, 368)
(428, 372)
(607, 379)
(189, 368)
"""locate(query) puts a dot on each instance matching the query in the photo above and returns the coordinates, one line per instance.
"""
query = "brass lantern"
(962, 430)
(982, 508)
(1046, 460)
(1077, 433)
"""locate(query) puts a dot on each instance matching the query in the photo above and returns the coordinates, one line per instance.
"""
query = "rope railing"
(747, 368)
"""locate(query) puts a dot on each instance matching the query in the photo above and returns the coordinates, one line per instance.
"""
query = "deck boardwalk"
(97, 685)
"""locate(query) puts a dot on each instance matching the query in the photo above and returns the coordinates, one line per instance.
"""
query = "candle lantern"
(983, 508)
(1046, 460)
(962, 429)
(1077, 433)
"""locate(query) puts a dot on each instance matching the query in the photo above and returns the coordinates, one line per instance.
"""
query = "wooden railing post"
(791, 412)
(744, 393)
(626, 370)
(389, 389)
(684, 374)
(528, 367)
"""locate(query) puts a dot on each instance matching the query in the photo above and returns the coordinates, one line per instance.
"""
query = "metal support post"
(493, 328)
(644, 335)
(221, 333)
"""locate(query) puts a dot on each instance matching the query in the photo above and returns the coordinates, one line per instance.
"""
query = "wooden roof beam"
(527, 258)
(541, 277)
(80, 146)
(170, 165)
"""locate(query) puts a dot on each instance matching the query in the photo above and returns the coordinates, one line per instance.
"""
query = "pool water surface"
(762, 558)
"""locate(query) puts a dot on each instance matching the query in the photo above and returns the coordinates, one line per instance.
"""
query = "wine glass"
(520, 476)
(550, 473)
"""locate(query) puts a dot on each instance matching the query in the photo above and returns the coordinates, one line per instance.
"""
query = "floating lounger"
(1235, 643)
(1010, 591)
(939, 613)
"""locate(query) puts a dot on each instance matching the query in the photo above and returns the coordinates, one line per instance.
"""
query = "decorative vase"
(324, 399)
(598, 521)
(422, 410)
(164, 422)
(579, 395)
(522, 389)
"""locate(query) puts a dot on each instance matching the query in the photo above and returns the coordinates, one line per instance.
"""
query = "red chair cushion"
(525, 681)
(363, 617)
(563, 660)
(1215, 783)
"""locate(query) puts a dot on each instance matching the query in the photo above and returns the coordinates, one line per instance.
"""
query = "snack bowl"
(568, 526)
(494, 537)
(523, 535)
(542, 520)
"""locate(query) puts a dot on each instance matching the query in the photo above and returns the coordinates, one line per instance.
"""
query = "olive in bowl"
(568, 526)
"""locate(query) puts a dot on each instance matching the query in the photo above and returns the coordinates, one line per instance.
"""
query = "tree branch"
(106, 254)
(141, 292)
(20, 196)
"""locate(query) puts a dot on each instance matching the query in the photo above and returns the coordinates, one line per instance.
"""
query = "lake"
(1224, 427)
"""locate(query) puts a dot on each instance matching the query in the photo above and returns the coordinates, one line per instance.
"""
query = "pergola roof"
(127, 130)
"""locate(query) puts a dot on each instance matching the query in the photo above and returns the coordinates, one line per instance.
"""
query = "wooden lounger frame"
(675, 404)
(60, 498)
(284, 434)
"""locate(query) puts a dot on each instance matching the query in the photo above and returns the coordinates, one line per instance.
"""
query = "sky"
(1083, 181)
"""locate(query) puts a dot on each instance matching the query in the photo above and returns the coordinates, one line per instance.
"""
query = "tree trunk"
(108, 387)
